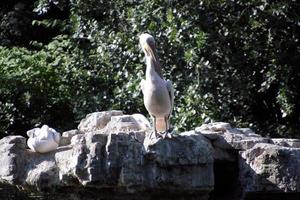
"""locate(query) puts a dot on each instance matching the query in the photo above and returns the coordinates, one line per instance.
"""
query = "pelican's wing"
(142, 85)
(171, 94)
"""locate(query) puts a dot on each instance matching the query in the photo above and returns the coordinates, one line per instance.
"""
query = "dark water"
(13, 193)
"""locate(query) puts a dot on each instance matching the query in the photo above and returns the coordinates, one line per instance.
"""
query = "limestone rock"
(211, 135)
(97, 120)
(127, 123)
(142, 121)
(224, 154)
(117, 160)
(270, 168)
(216, 126)
(67, 136)
(184, 162)
(12, 150)
(223, 136)
(286, 142)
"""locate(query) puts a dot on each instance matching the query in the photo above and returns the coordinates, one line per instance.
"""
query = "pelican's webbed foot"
(167, 134)
(156, 135)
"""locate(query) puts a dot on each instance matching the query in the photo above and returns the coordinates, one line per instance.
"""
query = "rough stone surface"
(272, 168)
(223, 136)
(97, 120)
(67, 136)
(286, 142)
(114, 158)
(12, 150)
(126, 123)
(119, 160)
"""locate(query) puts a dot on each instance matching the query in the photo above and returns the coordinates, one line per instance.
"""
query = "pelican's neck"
(153, 69)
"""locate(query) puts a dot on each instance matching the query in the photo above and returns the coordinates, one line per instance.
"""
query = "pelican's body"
(158, 93)
(43, 139)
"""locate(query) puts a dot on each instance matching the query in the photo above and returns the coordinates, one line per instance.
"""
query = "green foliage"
(55, 85)
(232, 61)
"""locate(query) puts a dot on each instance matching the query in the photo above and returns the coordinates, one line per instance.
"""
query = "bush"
(55, 85)
(229, 60)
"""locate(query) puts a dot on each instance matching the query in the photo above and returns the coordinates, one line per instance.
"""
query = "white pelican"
(43, 139)
(158, 93)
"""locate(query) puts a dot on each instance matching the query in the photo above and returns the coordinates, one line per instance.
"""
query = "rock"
(223, 136)
(76, 139)
(12, 159)
(222, 143)
(211, 135)
(286, 142)
(249, 132)
(166, 160)
(117, 161)
(97, 120)
(127, 123)
(143, 122)
(267, 168)
(215, 126)
(224, 155)
(239, 142)
(67, 136)
(184, 148)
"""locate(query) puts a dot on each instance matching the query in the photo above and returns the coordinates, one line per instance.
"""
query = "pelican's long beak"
(149, 51)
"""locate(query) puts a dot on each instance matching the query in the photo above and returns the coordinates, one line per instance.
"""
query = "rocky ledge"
(112, 156)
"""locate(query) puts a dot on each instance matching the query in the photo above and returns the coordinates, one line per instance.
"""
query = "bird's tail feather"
(161, 125)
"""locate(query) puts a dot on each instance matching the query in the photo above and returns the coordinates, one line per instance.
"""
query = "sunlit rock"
(97, 120)
(269, 167)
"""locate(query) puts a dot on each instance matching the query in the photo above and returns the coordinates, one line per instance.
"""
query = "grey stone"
(97, 120)
(120, 161)
(67, 136)
(222, 143)
(248, 142)
(223, 155)
(249, 132)
(211, 135)
(12, 150)
(215, 126)
(270, 168)
(286, 142)
(236, 139)
(184, 162)
(124, 123)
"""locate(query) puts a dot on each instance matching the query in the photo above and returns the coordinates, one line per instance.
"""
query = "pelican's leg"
(154, 127)
(166, 133)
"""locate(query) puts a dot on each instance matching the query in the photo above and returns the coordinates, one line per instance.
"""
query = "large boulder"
(117, 157)
(268, 167)
(97, 120)
(227, 140)
(12, 154)
(113, 156)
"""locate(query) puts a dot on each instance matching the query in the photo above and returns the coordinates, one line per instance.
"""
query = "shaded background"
(233, 61)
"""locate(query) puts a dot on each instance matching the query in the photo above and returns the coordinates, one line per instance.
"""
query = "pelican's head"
(147, 43)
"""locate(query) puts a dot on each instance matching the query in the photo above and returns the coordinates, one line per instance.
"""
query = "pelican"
(158, 93)
(43, 139)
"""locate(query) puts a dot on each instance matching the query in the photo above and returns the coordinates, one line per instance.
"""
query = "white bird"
(158, 93)
(43, 139)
